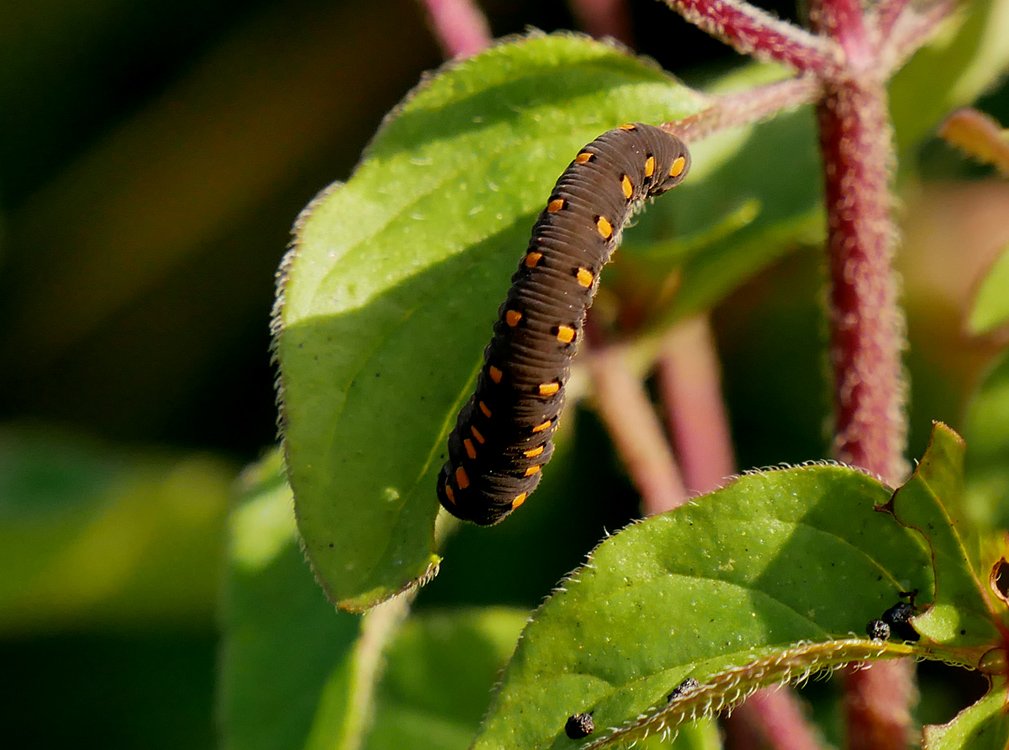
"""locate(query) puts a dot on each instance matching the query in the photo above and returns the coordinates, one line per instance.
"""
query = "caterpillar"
(503, 435)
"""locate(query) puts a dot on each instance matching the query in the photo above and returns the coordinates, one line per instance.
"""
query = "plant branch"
(866, 324)
(634, 427)
(459, 26)
(690, 385)
(756, 33)
(747, 107)
(911, 30)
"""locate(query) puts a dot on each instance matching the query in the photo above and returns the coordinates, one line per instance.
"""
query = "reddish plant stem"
(602, 18)
(689, 380)
(866, 324)
(635, 429)
(459, 26)
(747, 107)
(756, 33)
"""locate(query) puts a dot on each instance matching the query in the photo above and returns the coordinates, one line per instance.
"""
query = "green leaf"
(991, 303)
(295, 673)
(91, 534)
(961, 618)
(441, 669)
(758, 583)
(983, 726)
(396, 278)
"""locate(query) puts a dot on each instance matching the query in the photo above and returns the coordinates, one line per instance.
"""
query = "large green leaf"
(96, 535)
(983, 726)
(396, 278)
(763, 581)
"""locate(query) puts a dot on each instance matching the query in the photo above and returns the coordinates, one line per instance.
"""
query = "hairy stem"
(459, 26)
(865, 321)
(756, 33)
(747, 107)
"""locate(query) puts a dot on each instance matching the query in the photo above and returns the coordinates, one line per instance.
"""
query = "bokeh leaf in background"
(93, 536)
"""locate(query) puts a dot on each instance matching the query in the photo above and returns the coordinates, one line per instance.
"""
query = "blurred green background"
(153, 157)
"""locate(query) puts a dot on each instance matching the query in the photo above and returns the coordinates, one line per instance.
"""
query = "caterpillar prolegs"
(503, 435)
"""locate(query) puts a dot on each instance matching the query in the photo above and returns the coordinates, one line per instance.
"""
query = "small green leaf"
(763, 581)
(991, 303)
(295, 674)
(961, 618)
(396, 278)
(983, 726)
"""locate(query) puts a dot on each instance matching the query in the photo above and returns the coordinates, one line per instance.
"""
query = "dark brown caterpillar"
(502, 437)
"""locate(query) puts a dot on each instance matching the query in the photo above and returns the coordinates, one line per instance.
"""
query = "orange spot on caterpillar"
(485, 409)
(470, 448)
(495, 374)
(555, 205)
(628, 188)
(565, 334)
(449, 493)
(532, 470)
(533, 452)
(512, 317)
(549, 389)
(543, 426)
(628, 126)
(519, 499)
(584, 156)
(461, 479)
(649, 166)
(604, 228)
(533, 258)
(476, 433)
(676, 168)
(584, 277)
